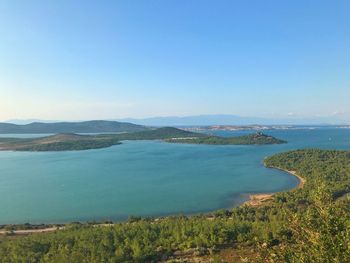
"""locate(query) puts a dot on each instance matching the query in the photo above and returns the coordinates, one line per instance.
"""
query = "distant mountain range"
(196, 120)
(71, 127)
(222, 119)
(27, 121)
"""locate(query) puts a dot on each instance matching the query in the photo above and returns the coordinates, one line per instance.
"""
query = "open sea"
(146, 178)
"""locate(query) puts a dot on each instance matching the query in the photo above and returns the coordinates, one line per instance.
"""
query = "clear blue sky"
(113, 59)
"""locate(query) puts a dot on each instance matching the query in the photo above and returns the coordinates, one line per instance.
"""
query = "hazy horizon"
(200, 120)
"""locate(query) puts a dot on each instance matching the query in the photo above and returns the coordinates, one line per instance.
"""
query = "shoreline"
(256, 200)
(30, 231)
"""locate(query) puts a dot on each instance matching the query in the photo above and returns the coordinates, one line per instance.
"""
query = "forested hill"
(71, 127)
(310, 224)
(331, 168)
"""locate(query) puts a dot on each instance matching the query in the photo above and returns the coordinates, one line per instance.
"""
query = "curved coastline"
(259, 199)
(255, 200)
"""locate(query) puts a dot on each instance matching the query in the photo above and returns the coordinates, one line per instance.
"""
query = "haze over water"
(146, 178)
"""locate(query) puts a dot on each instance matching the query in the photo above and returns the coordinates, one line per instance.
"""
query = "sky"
(80, 60)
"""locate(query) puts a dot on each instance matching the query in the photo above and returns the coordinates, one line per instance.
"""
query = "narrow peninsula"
(76, 142)
(258, 138)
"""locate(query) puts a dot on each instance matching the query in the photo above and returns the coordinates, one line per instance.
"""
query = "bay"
(146, 178)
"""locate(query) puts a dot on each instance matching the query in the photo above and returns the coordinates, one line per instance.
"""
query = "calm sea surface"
(146, 178)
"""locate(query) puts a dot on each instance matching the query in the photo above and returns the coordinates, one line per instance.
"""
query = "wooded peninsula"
(70, 141)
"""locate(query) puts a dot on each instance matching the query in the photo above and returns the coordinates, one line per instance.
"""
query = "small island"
(76, 142)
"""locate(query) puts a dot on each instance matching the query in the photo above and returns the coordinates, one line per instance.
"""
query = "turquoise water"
(146, 178)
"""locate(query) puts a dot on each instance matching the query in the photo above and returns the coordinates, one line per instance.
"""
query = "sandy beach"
(260, 199)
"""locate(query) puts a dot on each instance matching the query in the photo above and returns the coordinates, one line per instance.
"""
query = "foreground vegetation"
(311, 224)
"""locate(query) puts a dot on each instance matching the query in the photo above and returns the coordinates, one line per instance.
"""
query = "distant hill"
(28, 121)
(71, 127)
